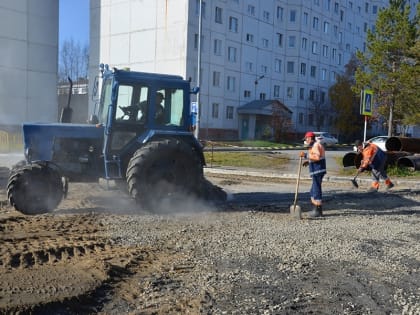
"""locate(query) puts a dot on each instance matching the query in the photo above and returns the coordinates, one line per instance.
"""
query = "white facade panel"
(13, 24)
(13, 53)
(28, 61)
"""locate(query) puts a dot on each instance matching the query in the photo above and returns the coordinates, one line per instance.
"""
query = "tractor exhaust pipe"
(67, 112)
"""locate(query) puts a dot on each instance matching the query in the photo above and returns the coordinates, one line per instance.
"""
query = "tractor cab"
(136, 107)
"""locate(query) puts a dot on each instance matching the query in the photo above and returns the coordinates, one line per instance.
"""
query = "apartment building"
(250, 51)
(28, 62)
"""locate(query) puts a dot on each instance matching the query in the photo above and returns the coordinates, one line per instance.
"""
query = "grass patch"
(392, 171)
(248, 143)
(260, 160)
(401, 172)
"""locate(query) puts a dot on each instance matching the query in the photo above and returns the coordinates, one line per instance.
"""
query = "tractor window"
(173, 105)
(106, 101)
(132, 103)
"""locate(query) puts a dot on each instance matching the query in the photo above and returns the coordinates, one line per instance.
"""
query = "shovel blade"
(296, 211)
(355, 184)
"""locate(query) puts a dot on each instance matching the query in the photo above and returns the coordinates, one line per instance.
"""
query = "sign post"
(366, 106)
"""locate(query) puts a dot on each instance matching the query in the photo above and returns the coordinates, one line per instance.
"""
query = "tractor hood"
(41, 139)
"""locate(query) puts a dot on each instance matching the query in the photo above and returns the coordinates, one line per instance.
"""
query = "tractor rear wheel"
(161, 170)
(35, 188)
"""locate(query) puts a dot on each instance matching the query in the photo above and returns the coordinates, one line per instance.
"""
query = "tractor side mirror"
(195, 90)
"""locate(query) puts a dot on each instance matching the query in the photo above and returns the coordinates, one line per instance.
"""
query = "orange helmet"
(309, 134)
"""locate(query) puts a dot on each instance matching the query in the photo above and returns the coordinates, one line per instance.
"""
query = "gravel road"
(99, 254)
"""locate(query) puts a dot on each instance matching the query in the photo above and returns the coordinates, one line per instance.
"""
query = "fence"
(10, 142)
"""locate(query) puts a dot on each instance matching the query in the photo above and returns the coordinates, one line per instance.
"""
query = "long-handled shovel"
(354, 182)
(295, 209)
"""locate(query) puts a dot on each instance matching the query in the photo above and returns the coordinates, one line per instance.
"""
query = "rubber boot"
(316, 212)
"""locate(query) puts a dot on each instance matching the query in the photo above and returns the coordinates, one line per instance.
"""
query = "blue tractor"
(140, 137)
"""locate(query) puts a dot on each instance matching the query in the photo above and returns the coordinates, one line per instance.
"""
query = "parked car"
(379, 141)
(325, 138)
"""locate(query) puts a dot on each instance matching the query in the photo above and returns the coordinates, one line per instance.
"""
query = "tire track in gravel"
(61, 259)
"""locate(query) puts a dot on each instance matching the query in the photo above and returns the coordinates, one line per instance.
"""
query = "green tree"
(345, 103)
(390, 65)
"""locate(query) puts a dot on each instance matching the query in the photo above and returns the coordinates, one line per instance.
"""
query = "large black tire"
(35, 188)
(163, 169)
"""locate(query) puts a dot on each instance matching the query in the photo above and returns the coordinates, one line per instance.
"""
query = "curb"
(334, 179)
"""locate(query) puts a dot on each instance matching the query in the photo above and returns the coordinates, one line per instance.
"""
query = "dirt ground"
(71, 262)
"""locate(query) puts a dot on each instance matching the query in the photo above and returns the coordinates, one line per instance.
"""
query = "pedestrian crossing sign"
(366, 103)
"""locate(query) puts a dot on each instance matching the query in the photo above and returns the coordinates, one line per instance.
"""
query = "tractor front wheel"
(35, 188)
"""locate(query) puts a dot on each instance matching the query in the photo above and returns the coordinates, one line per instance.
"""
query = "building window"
(311, 95)
(229, 112)
(311, 119)
(292, 40)
(249, 38)
(249, 66)
(231, 82)
(313, 71)
(232, 54)
(340, 60)
(216, 78)
(325, 50)
(334, 53)
(251, 10)
(218, 15)
(247, 94)
(327, 4)
(290, 67)
(217, 47)
(302, 93)
(262, 96)
(303, 68)
(324, 74)
(314, 48)
(279, 13)
(290, 92)
(336, 7)
(326, 27)
(264, 69)
(305, 18)
(322, 97)
(277, 65)
(300, 119)
(203, 8)
(279, 39)
(215, 110)
(292, 16)
(233, 24)
(266, 16)
(304, 43)
(276, 91)
(265, 42)
(366, 7)
(341, 15)
(315, 23)
(375, 9)
(195, 41)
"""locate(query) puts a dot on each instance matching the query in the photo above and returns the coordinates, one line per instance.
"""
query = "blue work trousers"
(316, 189)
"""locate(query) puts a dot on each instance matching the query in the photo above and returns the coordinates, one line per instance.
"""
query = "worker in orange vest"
(317, 170)
(375, 159)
